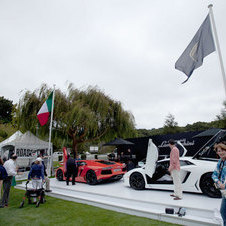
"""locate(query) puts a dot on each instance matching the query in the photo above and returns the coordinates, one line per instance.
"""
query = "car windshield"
(105, 162)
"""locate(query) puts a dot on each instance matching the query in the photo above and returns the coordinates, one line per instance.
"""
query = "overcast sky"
(128, 48)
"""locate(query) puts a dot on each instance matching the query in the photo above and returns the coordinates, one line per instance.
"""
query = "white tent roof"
(15, 136)
(28, 141)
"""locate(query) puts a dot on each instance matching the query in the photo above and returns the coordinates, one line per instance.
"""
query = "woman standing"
(219, 176)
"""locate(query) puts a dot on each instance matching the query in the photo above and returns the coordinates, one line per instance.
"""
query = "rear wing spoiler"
(64, 158)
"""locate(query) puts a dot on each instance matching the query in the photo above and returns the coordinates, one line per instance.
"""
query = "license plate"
(116, 170)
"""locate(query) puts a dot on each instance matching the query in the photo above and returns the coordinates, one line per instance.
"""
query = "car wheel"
(207, 186)
(136, 181)
(91, 177)
(59, 175)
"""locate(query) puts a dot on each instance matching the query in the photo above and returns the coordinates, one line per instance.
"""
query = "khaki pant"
(36, 184)
(177, 183)
(6, 190)
(47, 183)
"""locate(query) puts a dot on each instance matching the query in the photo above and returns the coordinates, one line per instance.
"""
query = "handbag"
(169, 210)
(13, 181)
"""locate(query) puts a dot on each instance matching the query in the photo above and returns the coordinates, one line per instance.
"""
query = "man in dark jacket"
(3, 175)
(10, 167)
(71, 170)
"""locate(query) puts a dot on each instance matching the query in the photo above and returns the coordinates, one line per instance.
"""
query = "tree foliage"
(170, 125)
(6, 107)
(197, 126)
(222, 117)
(79, 115)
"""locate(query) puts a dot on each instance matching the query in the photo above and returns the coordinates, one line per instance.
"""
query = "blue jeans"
(223, 210)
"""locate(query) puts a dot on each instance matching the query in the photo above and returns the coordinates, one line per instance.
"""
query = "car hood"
(151, 159)
(104, 163)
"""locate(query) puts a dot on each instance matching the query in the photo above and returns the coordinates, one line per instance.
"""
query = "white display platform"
(200, 209)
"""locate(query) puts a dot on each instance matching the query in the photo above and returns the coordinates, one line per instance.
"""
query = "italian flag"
(44, 112)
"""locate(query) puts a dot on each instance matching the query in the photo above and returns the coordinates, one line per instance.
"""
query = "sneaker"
(177, 198)
(172, 195)
(48, 190)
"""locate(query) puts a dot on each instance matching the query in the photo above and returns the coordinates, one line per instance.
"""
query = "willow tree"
(82, 115)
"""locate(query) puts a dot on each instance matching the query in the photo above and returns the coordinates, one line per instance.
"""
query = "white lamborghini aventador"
(195, 173)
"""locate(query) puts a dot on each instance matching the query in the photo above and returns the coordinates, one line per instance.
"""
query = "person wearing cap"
(36, 174)
(219, 176)
(10, 167)
(174, 170)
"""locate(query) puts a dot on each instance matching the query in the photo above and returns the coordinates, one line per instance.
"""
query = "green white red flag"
(44, 112)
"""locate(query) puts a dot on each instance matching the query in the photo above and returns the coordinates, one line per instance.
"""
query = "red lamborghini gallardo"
(93, 171)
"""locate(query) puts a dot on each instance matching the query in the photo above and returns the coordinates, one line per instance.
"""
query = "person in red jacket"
(174, 170)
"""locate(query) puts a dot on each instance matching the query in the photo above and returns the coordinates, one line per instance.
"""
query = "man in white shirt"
(10, 166)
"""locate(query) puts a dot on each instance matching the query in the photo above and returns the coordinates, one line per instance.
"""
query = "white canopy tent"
(29, 141)
(26, 146)
(4, 143)
(11, 138)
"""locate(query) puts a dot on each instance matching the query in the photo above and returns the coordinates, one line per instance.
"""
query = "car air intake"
(105, 172)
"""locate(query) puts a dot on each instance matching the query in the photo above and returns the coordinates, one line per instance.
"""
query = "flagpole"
(217, 45)
(50, 150)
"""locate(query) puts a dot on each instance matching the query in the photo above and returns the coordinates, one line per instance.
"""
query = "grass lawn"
(60, 212)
